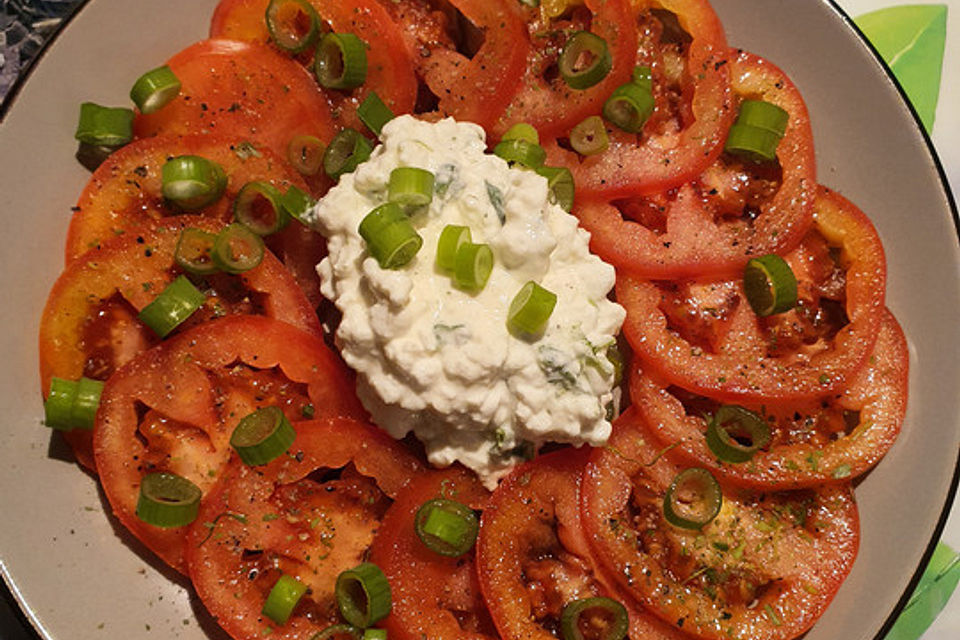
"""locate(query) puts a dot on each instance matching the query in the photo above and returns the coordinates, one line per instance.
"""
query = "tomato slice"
(434, 596)
(544, 99)
(693, 107)
(243, 90)
(765, 568)
(822, 441)
(534, 557)
(89, 326)
(390, 70)
(703, 336)
(310, 514)
(730, 213)
(174, 407)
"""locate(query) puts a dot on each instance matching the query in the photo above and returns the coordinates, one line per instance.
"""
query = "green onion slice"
(339, 632)
(293, 24)
(92, 156)
(194, 252)
(168, 500)
(374, 634)
(763, 115)
(175, 304)
(643, 77)
(305, 153)
(390, 236)
(363, 595)
(451, 239)
(769, 285)
(735, 434)
(472, 266)
(598, 617)
(58, 406)
(262, 436)
(526, 154)
(374, 113)
(155, 89)
(560, 186)
(410, 187)
(446, 527)
(283, 598)
(237, 249)
(258, 207)
(522, 131)
(341, 61)
(693, 499)
(192, 182)
(752, 143)
(530, 310)
(629, 107)
(585, 60)
(345, 152)
(83, 413)
(590, 136)
(296, 203)
(104, 126)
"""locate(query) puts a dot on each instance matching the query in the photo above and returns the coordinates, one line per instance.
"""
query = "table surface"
(25, 25)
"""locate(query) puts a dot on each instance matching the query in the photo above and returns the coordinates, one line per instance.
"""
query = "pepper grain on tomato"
(310, 514)
(173, 408)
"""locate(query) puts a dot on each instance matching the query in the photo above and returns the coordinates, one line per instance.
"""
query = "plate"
(79, 577)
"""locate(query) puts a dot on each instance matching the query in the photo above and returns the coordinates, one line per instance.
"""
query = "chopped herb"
(496, 199)
(842, 471)
(446, 175)
(771, 614)
(245, 150)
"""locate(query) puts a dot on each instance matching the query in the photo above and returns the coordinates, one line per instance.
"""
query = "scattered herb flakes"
(841, 471)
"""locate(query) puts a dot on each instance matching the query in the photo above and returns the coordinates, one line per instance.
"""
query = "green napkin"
(938, 582)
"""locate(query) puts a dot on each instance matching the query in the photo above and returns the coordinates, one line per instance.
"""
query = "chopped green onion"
(345, 152)
(585, 60)
(530, 310)
(72, 404)
(173, 306)
(472, 266)
(451, 239)
(769, 285)
(258, 207)
(522, 131)
(283, 598)
(374, 634)
(339, 632)
(599, 617)
(560, 186)
(194, 252)
(526, 154)
(305, 153)
(341, 61)
(763, 115)
(629, 107)
(410, 187)
(643, 77)
(167, 500)
(363, 595)
(293, 24)
(590, 136)
(693, 499)
(752, 143)
(390, 236)
(374, 113)
(92, 156)
(104, 126)
(83, 413)
(446, 527)
(296, 203)
(262, 436)
(155, 89)
(237, 249)
(192, 182)
(735, 434)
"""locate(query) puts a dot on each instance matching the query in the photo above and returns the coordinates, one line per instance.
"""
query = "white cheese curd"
(440, 361)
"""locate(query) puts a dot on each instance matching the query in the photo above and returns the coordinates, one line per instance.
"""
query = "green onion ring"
(585, 60)
(363, 595)
(769, 285)
(257, 206)
(58, 407)
(194, 251)
(693, 499)
(629, 107)
(283, 598)
(262, 436)
(305, 153)
(341, 61)
(735, 434)
(237, 249)
(155, 89)
(296, 203)
(390, 236)
(764, 115)
(192, 182)
(104, 126)
(560, 186)
(293, 24)
(752, 143)
(472, 266)
(586, 613)
(522, 131)
(167, 500)
(446, 527)
(345, 152)
(410, 187)
(451, 239)
(530, 311)
(522, 152)
(374, 113)
(339, 632)
(177, 302)
(590, 136)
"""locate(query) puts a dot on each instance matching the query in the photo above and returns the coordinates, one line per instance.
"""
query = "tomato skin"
(433, 595)
(669, 569)
(243, 90)
(195, 388)
(287, 516)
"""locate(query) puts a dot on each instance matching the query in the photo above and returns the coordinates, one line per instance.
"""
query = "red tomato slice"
(534, 557)
(173, 408)
(694, 111)
(90, 328)
(732, 212)
(243, 90)
(434, 596)
(390, 70)
(298, 516)
(822, 441)
(703, 336)
(765, 568)
(550, 105)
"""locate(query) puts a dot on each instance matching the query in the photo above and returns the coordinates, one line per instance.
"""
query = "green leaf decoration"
(911, 39)
(938, 582)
